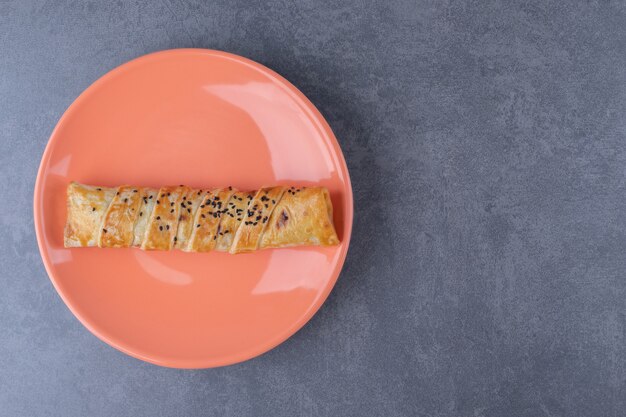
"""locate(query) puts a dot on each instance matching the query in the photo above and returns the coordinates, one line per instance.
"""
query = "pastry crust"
(86, 206)
(164, 220)
(258, 212)
(118, 223)
(232, 219)
(189, 204)
(304, 216)
(207, 220)
(148, 201)
(180, 217)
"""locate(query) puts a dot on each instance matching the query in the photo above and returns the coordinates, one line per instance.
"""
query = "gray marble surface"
(487, 147)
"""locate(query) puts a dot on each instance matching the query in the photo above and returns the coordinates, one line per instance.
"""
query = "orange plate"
(206, 119)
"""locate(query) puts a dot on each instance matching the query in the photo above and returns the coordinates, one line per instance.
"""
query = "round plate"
(206, 119)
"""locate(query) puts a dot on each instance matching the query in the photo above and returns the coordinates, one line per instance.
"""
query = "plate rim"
(260, 349)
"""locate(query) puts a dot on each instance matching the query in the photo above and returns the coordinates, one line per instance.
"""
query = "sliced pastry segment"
(257, 214)
(236, 211)
(164, 219)
(189, 204)
(86, 205)
(304, 216)
(118, 224)
(148, 201)
(207, 220)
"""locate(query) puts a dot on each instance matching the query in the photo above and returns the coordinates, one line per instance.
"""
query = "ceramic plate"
(206, 119)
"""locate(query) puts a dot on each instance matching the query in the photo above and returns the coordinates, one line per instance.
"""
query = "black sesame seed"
(273, 201)
(99, 189)
(150, 198)
(171, 204)
(172, 211)
(199, 192)
(167, 226)
(266, 206)
(188, 210)
(104, 230)
(258, 218)
(141, 213)
(230, 187)
(203, 216)
(93, 209)
(157, 201)
(158, 218)
(161, 228)
(118, 193)
(198, 225)
(255, 223)
(134, 191)
(202, 206)
(125, 200)
(169, 194)
(175, 238)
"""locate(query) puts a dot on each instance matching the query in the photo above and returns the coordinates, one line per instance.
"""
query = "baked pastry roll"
(196, 220)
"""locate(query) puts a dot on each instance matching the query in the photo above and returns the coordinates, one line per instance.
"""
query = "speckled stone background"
(487, 147)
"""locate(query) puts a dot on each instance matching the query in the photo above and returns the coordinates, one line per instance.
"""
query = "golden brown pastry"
(196, 220)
